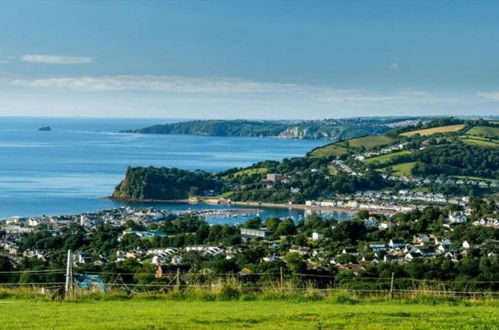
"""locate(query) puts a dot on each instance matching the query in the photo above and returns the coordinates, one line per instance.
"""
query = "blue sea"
(74, 166)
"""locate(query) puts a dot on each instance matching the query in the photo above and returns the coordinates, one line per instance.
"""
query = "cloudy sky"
(242, 59)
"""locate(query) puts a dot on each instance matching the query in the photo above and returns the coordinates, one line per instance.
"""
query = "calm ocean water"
(70, 169)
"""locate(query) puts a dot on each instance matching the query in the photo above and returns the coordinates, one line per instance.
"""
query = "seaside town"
(280, 238)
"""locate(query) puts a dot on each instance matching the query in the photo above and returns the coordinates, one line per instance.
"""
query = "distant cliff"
(329, 129)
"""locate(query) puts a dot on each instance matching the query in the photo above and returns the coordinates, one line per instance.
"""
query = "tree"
(272, 223)
(287, 227)
(295, 263)
(253, 223)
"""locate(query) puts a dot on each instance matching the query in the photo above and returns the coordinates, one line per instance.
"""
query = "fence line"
(355, 279)
(283, 289)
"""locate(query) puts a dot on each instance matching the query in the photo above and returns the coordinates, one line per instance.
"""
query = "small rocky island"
(45, 129)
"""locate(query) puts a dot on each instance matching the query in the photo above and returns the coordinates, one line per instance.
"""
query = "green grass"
(250, 171)
(259, 314)
(380, 160)
(226, 194)
(434, 130)
(329, 150)
(480, 142)
(402, 169)
(369, 142)
(484, 131)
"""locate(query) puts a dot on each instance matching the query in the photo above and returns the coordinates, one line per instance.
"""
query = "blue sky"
(249, 59)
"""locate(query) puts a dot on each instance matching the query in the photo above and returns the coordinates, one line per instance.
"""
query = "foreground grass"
(258, 314)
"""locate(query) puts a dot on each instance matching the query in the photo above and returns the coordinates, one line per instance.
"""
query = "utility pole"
(69, 273)
(391, 286)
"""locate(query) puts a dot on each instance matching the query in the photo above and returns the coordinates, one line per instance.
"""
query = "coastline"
(216, 201)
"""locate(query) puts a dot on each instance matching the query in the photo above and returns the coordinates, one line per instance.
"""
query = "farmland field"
(329, 150)
(484, 131)
(480, 142)
(369, 142)
(260, 314)
(250, 171)
(402, 169)
(385, 158)
(434, 130)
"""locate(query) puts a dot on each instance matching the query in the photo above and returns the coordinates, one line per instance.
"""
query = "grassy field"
(386, 158)
(480, 142)
(434, 130)
(261, 314)
(403, 169)
(369, 142)
(484, 131)
(250, 171)
(343, 147)
(329, 150)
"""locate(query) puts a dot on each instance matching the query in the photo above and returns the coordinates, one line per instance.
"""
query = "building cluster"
(382, 151)
(403, 201)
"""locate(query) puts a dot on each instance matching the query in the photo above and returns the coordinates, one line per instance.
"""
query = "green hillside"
(468, 149)
(351, 145)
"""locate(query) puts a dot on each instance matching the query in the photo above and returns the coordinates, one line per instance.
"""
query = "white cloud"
(54, 59)
(178, 84)
(494, 96)
(218, 97)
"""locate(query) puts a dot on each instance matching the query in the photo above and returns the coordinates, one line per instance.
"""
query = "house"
(274, 177)
(457, 217)
(421, 239)
(416, 252)
(384, 225)
(391, 258)
(394, 244)
(442, 241)
(255, 233)
(350, 251)
(300, 250)
(376, 247)
(413, 255)
(355, 268)
(371, 222)
(316, 236)
(83, 258)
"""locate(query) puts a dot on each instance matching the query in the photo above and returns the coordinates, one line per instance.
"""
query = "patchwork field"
(278, 314)
(434, 130)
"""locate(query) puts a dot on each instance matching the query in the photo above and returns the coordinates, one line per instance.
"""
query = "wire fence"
(53, 279)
